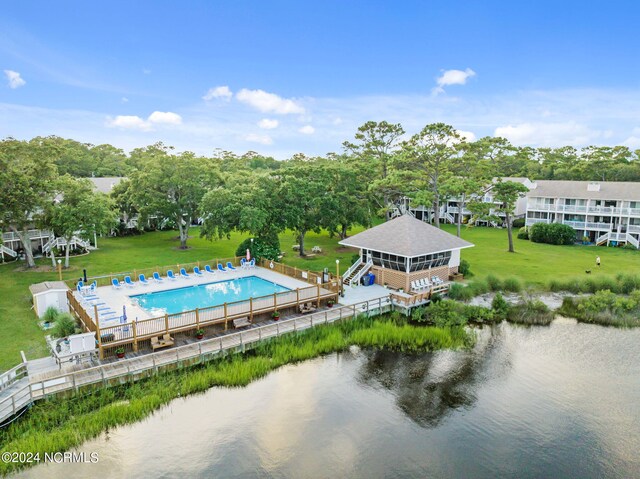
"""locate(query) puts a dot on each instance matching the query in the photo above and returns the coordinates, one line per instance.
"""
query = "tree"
(27, 176)
(171, 186)
(463, 189)
(305, 201)
(376, 144)
(508, 193)
(426, 162)
(79, 211)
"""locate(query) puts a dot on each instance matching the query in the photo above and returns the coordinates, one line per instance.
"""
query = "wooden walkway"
(22, 390)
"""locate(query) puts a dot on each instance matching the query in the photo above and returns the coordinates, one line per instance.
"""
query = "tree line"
(44, 183)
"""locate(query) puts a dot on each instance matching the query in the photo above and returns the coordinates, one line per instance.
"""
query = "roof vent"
(593, 187)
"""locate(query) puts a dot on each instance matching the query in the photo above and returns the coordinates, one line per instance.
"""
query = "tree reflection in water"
(430, 386)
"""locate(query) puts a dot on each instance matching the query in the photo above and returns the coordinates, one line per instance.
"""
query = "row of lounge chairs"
(117, 284)
(425, 283)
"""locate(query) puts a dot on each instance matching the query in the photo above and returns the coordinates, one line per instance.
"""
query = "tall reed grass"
(59, 423)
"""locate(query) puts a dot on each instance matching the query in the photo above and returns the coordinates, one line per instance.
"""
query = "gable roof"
(608, 190)
(47, 286)
(105, 184)
(406, 236)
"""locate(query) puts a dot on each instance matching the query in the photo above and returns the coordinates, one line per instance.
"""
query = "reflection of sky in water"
(211, 294)
(559, 401)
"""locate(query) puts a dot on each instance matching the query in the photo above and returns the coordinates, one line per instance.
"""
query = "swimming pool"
(208, 294)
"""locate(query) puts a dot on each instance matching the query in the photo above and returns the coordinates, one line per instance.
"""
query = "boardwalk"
(22, 390)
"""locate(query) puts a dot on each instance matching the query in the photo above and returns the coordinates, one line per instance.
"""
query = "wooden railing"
(301, 274)
(198, 352)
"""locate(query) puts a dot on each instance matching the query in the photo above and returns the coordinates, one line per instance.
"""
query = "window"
(430, 261)
(389, 261)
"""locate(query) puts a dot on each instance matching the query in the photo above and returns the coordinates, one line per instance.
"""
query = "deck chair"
(157, 278)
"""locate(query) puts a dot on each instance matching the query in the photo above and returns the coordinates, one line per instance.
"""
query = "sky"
(283, 77)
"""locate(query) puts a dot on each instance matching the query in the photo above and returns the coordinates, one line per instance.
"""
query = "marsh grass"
(530, 311)
(58, 424)
(604, 308)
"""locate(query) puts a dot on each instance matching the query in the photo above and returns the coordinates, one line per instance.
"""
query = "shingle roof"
(406, 236)
(106, 183)
(46, 286)
(609, 190)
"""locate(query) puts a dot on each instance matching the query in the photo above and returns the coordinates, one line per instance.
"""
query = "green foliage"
(55, 426)
(460, 292)
(51, 314)
(65, 325)
(493, 283)
(621, 284)
(268, 248)
(479, 314)
(465, 268)
(523, 233)
(512, 285)
(519, 223)
(530, 311)
(500, 307)
(552, 233)
(605, 307)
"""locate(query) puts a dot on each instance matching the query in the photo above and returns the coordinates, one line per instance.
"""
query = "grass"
(54, 425)
(532, 264)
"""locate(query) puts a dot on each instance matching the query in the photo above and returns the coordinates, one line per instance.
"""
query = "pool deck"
(117, 299)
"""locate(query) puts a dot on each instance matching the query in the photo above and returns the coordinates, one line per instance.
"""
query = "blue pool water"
(209, 294)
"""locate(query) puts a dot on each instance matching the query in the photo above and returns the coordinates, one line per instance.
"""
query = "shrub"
(464, 268)
(446, 313)
(267, 248)
(479, 314)
(553, 233)
(512, 285)
(530, 312)
(64, 326)
(523, 233)
(51, 314)
(518, 223)
(478, 287)
(500, 307)
(460, 292)
(494, 283)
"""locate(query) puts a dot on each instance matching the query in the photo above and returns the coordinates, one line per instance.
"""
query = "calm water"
(210, 294)
(542, 402)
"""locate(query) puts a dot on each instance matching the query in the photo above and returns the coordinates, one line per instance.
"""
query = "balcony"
(533, 221)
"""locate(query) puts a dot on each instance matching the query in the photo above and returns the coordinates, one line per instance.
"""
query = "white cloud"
(268, 102)
(548, 134)
(134, 122)
(307, 130)
(165, 118)
(268, 124)
(467, 135)
(124, 99)
(633, 141)
(14, 79)
(128, 122)
(218, 92)
(262, 139)
(452, 77)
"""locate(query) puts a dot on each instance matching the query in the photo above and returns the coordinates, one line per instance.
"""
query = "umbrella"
(248, 255)
(124, 313)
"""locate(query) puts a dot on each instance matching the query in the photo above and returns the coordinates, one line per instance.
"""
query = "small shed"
(403, 250)
(49, 293)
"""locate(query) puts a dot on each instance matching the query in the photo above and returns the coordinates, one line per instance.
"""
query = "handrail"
(356, 278)
(352, 268)
(12, 375)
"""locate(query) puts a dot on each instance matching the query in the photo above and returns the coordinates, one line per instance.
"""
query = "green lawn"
(533, 263)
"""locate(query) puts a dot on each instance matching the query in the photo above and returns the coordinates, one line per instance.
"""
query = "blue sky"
(287, 77)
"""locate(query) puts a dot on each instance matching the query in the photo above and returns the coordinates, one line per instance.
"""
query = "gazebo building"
(404, 250)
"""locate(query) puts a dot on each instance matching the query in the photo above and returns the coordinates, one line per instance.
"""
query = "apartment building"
(604, 213)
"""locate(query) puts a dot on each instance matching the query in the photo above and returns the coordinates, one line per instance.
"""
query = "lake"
(538, 402)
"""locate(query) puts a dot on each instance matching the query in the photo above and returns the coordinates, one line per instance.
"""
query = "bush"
(512, 285)
(64, 326)
(446, 313)
(500, 307)
(51, 314)
(464, 268)
(518, 223)
(267, 248)
(530, 312)
(460, 292)
(479, 314)
(523, 233)
(553, 233)
(494, 283)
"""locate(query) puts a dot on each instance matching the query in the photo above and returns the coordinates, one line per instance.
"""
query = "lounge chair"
(230, 266)
(171, 276)
(197, 271)
(243, 263)
(143, 280)
(157, 278)
(128, 282)
(221, 268)
(307, 308)
(252, 263)
(116, 283)
(184, 274)
(208, 269)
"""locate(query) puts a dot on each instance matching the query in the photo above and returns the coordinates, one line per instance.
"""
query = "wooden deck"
(21, 390)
